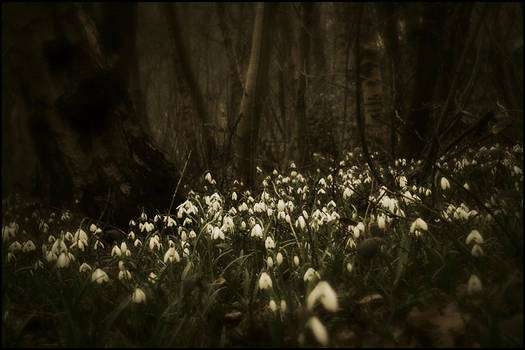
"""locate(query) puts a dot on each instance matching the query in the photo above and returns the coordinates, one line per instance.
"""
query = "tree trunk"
(85, 133)
(208, 144)
(254, 92)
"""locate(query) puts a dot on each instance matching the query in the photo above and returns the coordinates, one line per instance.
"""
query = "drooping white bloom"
(99, 276)
(138, 296)
(474, 284)
(152, 277)
(63, 260)
(269, 243)
(116, 251)
(318, 330)
(256, 231)
(283, 305)
(300, 223)
(296, 260)
(84, 268)
(381, 222)
(265, 282)
(417, 225)
(475, 236)
(466, 186)
(171, 254)
(311, 275)
(444, 183)
(402, 181)
(124, 274)
(349, 267)
(92, 228)
(324, 293)
(477, 250)
(13, 247)
(269, 262)
(272, 305)
(279, 258)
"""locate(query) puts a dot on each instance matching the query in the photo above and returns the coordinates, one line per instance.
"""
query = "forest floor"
(328, 258)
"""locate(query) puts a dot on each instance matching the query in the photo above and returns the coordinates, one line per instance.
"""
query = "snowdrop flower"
(10, 257)
(474, 284)
(171, 254)
(124, 274)
(154, 242)
(137, 242)
(63, 260)
(281, 206)
(152, 277)
(217, 233)
(402, 181)
(256, 231)
(116, 251)
(193, 234)
(476, 250)
(349, 267)
(347, 193)
(296, 260)
(475, 236)
(269, 243)
(283, 305)
(124, 249)
(269, 262)
(417, 225)
(84, 268)
(138, 296)
(466, 186)
(311, 275)
(318, 330)
(99, 276)
(143, 216)
(381, 222)
(324, 293)
(279, 258)
(273, 305)
(132, 222)
(93, 228)
(444, 183)
(300, 223)
(265, 282)
(13, 247)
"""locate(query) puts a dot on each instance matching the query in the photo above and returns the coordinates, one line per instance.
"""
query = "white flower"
(208, 178)
(152, 277)
(280, 205)
(381, 222)
(279, 258)
(318, 330)
(283, 305)
(272, 305)
(137, 242)
(269, 261)
(92, 227)
(217, 233)
(349, 267)
(116, 251)
(63, 260)
(417, 225)
(124, 274)
(143, 216)
(476, 250)
(444, 183)
(138, 296)
(265, 282)
(99, 276)
(310, 275)
(347, 193)
(13, 247)
(325, 294)
(474, 284)
(300, 222)
(475, 236)
(296, 260)
(171, 254)
(269, 243)
(466, 186)
(256, 231)
(402, 181)
(234, 196)
(154, 242)
(84, 267)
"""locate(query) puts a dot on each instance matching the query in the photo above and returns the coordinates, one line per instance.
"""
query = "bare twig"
(175, 193)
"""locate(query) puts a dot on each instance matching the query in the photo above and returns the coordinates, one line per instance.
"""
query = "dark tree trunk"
(86, 135)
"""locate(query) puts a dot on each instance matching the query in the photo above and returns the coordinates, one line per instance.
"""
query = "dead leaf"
(442, 328)
(370, 298)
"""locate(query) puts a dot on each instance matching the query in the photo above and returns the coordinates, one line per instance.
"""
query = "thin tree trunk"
(255, 92)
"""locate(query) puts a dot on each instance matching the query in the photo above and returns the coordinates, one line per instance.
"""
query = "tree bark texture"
(86, 135)
(256, 82)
